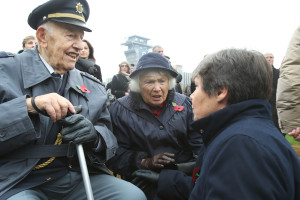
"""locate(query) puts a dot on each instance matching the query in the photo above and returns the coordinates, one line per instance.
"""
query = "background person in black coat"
(270, 58)
(119, 83)
(87, 62)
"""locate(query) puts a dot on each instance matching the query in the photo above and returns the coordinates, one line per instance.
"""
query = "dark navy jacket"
(141, 135)
(246, 157)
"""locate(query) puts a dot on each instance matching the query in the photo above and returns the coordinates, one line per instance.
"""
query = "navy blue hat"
(74, 12)
(153, 61)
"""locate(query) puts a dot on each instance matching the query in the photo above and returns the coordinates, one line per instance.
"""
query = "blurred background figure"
(288, 91)
(178, 80)
(131, 68)
(158, 49)
(28, 42)
(87, 62)
(270, 58)
(119, 83)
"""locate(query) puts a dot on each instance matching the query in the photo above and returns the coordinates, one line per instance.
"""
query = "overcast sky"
(187, 30)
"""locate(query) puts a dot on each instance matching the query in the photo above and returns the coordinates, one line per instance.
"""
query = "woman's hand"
(158, 161)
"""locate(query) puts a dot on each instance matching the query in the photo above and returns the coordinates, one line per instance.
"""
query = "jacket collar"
(33, 68)
(36, 72)
(213, 124)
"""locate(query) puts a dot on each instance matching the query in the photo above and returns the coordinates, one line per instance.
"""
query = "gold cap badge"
(79, 8)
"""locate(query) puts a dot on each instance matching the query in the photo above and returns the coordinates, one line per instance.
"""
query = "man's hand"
(295, 133)
(79, 129)
(53, 104)
(157, 161)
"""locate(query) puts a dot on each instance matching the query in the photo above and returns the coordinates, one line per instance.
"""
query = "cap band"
(68, 15)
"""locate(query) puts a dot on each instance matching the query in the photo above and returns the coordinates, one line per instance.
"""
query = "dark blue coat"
(141, 135)
(246, 157)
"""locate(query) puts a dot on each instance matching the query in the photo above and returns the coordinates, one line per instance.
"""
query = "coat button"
(2, 134)
(201, 131)
(161, 127)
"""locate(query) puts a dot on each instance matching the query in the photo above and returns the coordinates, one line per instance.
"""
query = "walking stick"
(82, 163)
(84, 172)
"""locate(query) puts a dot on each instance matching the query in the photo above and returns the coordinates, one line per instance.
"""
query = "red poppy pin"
(177, 107)
(83, 89)
(196, 174)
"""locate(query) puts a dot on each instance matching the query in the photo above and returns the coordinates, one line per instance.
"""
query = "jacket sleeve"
(16, 126)
(288, 90)
(127, 160)
(117, 87)
(174, 184)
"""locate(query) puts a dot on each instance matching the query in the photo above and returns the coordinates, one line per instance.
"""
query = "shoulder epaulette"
(89, 76)
(4, 54)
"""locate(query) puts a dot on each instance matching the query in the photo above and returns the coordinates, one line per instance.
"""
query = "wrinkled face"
(29, 44)
(62, 46)
(154, 88)
(202, 104)
(85, 52)
(269, 58)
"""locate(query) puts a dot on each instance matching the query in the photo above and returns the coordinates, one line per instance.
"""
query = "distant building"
(137, 46)
(186, 80)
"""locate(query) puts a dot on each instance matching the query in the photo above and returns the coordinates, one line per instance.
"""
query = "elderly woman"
(245, 155)
(153, 123)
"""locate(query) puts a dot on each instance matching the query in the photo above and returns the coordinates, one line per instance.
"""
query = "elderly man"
(158, 49)
(153, 124)
(37, 135)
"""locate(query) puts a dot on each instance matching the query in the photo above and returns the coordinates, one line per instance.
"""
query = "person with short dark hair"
(245, 155)
(40, 89)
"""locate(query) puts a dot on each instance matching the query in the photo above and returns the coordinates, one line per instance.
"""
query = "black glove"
(187, 167)
(158, 161)
(78, 129)
(143, 178)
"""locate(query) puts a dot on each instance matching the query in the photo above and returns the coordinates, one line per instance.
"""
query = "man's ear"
(41, 33)
(222, 95)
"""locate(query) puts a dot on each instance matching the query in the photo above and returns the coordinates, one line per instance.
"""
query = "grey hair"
(134, 82)
(48, 26)
(246, 74)
(156, 47)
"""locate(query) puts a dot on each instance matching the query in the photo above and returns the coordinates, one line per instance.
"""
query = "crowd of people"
(228, 137)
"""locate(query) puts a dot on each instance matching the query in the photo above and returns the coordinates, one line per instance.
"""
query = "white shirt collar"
(50, 69)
